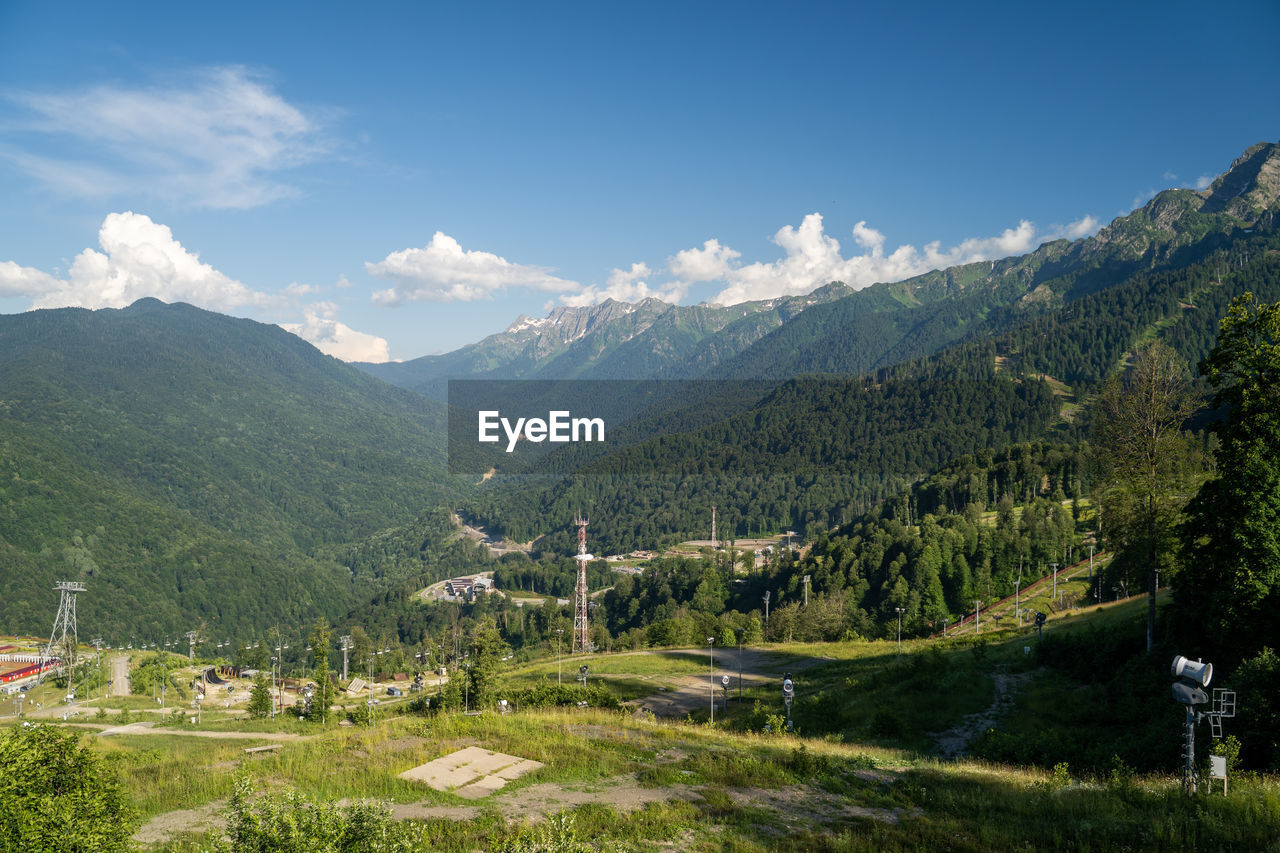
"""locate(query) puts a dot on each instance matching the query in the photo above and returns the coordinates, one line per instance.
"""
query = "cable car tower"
(65, 638)
(581, 640)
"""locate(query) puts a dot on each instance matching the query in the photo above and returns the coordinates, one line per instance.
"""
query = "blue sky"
(391, 180)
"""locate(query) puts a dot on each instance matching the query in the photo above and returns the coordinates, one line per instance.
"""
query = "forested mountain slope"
(183, 464)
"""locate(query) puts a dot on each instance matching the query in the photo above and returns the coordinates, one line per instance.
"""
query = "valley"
(298, 591)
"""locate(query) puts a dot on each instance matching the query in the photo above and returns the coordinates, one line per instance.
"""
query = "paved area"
(471, 773)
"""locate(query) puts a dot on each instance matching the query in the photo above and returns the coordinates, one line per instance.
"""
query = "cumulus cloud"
(295, 289)
(627, 286)
(321, 328)
(138, 258)
(217, 140)
(1083, 227)
(812, 257)
(1203, 182)
(443, 271)
(25, 281)
(709, 263)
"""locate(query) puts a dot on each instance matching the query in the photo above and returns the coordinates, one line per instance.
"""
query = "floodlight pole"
(741, 633)
(899, 609)
(559, 634)
(712, 652)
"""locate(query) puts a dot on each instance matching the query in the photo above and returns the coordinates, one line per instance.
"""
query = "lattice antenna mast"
(64, 638)
(581, 641)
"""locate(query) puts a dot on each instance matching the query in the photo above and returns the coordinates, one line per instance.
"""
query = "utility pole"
(741, 632)
(977, 617)
(806, 590)
(1017, 596)
(711, 651)
(899, 609)
(559, 634)
(1091, 562)
(767, 593)
(345, 642)
(96, 642)
(1054, 568)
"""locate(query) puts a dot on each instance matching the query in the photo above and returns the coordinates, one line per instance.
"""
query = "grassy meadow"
(864, 769)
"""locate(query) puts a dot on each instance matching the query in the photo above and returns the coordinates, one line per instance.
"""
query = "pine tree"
(1229, 592)
(260, 698)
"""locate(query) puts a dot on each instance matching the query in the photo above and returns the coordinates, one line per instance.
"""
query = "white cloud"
(812, 258)
(25, 281)
(1203, 182)
(628, 286)
(443, 271)
(1170, 176)
(1082, 227)
(1140, 199)
(321, 328)
(295, 289)
(710, 263)
(215, 141)
(342, 283)
(138, 258)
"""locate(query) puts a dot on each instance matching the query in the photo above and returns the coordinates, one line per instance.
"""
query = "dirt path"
(953, 741)
(693, 692)
(120, 676)
(150, 728)
(165, 827)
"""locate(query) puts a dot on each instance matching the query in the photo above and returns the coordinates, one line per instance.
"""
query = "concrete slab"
(471, 773)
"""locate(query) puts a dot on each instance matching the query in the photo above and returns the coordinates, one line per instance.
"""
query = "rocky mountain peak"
(1250, 186)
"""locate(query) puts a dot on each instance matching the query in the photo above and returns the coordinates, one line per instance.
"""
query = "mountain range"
(837, 329)
(194, 469)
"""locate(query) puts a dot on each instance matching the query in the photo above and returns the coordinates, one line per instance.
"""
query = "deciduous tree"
(1144, 456)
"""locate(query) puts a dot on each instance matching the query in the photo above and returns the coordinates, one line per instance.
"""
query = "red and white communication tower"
(581, 641)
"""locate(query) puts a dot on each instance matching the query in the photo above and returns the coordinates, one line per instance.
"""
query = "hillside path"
(693, 692)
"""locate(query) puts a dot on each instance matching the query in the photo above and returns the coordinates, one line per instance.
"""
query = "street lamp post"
(712, 652)
(899, 609)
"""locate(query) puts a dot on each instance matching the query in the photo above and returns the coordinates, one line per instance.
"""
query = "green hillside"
(185, 464)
